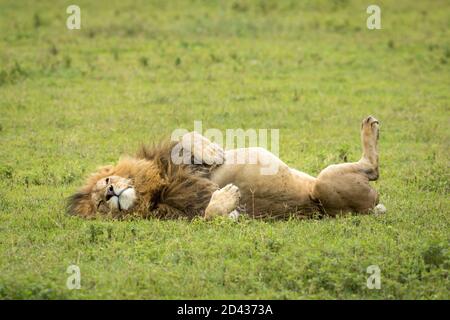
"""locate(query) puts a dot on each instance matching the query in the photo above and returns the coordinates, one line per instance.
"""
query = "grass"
(73, 100)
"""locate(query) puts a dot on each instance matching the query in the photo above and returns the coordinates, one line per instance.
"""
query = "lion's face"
(110, 194)
(113, 194)
(118, 190)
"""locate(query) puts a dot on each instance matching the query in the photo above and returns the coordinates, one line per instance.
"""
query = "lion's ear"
(80, 204)
(105, 170)
(99, 174)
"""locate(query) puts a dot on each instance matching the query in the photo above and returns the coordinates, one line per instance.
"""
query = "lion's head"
(118, 190)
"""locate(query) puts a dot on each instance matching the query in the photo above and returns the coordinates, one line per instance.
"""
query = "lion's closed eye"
(100, 203)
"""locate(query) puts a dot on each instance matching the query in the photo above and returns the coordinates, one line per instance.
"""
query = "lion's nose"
(110, 193)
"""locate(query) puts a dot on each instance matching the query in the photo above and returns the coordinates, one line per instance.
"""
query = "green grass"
(73, 100)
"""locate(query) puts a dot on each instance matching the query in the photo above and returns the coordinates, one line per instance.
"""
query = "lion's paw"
(223, 201)
(212, 154)
(379, 209)
(202, 149)
(234, 215)
(371, 127)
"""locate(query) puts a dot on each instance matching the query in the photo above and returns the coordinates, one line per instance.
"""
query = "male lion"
(153, 185)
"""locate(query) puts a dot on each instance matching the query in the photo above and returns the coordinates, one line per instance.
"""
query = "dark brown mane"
(187, 189)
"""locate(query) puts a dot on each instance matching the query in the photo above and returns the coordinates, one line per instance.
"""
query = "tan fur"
(218, 185)
(163, 189)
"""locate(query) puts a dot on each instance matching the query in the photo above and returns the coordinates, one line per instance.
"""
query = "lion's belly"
(267, 185)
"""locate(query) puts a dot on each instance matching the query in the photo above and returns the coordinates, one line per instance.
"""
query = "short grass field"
(72, 100)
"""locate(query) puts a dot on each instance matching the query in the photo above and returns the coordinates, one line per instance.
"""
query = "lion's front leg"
(224, 202)
(203, 150)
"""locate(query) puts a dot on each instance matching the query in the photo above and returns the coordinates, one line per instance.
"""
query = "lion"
(152, 185)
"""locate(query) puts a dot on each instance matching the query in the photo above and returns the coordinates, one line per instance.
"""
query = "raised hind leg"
(345, 187)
